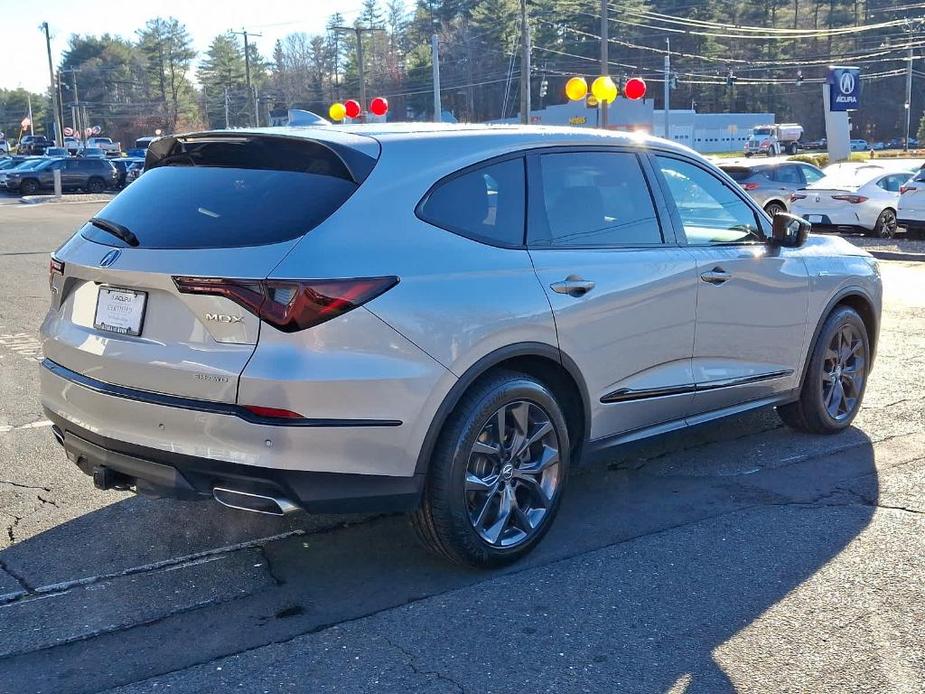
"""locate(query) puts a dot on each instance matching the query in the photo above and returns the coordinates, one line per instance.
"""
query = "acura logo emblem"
(846, 83)
(110, 258)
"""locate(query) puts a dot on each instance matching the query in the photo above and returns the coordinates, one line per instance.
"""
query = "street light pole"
(667, 91)
(435, 59)
(604, 59)
(908, 99)
(525, 65)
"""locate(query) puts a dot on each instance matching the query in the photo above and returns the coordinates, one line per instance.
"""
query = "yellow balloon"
(337, 111)
(604, 88)
(576, 88)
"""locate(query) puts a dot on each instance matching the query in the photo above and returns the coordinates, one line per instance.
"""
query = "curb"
(897, 255)
(51, 199)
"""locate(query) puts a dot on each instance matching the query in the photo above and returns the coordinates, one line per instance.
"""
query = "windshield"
(761, 131)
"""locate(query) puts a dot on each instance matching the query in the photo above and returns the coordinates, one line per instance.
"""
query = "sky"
(23, 39)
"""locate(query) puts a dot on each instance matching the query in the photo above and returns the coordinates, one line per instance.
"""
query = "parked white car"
(859, 146)
(110, 148)
(911, 209)
(860, 198)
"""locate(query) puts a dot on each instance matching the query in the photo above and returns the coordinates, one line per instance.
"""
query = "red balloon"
(353, 108)
(379, 106)
(635, 88)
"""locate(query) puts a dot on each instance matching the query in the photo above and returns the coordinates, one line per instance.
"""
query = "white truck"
(772, 140)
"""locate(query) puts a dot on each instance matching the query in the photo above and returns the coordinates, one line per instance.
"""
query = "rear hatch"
(213, 205)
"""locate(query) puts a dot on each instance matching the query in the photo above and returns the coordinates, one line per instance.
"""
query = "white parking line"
(6, 428)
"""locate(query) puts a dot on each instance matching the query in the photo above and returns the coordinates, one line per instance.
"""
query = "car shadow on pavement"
(654, 562)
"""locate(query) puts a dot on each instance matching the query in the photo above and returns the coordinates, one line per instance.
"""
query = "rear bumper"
(166, 474)
(911, 223)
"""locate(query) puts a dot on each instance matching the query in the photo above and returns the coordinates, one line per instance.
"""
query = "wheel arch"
(544, 362)
(858, 300)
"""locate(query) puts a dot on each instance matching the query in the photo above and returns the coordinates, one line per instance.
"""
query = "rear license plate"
(120, 311)
(814, 218)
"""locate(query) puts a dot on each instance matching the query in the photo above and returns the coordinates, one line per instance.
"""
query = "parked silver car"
(436, 319)
(770, 184)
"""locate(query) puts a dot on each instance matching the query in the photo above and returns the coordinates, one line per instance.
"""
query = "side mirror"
(789, 231)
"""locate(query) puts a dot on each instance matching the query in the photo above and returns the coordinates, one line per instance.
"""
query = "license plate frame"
(814, 218)
(132, 327)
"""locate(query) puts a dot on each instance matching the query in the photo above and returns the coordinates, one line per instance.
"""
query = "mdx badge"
(224, 318)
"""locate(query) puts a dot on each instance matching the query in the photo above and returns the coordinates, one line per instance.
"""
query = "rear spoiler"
(270, 151)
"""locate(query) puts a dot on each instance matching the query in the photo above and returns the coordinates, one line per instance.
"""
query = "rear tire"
(885, 228)
(774, 208)
(836, 377)
(497, 473)
(96, 185)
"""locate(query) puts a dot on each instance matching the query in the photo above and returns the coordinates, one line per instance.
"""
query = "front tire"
(28, 187)
(96, 185)
(836, 377)
(497, 473)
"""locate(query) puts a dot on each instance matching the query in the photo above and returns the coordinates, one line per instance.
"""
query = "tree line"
(726, 55)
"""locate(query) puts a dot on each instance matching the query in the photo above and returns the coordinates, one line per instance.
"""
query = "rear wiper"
(117, 230)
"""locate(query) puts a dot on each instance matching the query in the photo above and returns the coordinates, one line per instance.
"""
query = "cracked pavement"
(737, 556)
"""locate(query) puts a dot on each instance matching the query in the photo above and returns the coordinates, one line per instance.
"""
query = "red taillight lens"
(797, 196)
(853, 199)
(750, 186)
(55, 267)
(272, 412)
(906, 189)
(291, 305)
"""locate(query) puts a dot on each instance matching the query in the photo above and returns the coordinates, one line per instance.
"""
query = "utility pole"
(435, 59)
(908, 99)
(226, 108)
(75, 106)
(55, 93)
(361, 63)
(31, 124)
(667, 91)
(524, 65)
(604, 67)
(247, 67)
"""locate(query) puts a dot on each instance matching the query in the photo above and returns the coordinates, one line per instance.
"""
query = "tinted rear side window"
(230, 194)
(738, 173)
(485, 204)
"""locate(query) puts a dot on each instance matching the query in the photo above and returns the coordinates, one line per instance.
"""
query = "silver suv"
(432, 319)
(771, 184)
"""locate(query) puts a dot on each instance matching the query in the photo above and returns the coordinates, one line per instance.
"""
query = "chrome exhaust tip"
(58, 434)
(255, 503)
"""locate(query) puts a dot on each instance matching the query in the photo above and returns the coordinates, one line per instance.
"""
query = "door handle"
(573, 285)
(716, 276)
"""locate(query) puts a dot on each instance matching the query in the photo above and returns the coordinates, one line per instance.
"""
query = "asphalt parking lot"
(738, 556)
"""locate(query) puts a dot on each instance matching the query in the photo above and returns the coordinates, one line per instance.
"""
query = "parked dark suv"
(92, 175)
(34, 144)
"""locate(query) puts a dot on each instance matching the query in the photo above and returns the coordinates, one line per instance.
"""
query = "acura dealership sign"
(844, 88)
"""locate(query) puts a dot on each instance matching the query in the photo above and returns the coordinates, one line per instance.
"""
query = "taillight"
(55, 267)
(853, 199)
(750, 186)
(906, 189)
(797, 196)
(291, 305)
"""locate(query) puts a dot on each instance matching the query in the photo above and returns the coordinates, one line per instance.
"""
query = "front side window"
(596, 199)
(711, 213)
(486, 204)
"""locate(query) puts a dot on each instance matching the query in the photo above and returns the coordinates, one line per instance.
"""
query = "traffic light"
(730, 78)
(799, 77)
(544, 87)
(673, 81)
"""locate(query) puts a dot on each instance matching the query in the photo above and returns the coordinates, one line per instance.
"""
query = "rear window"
(231, 192)
(920, 176)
